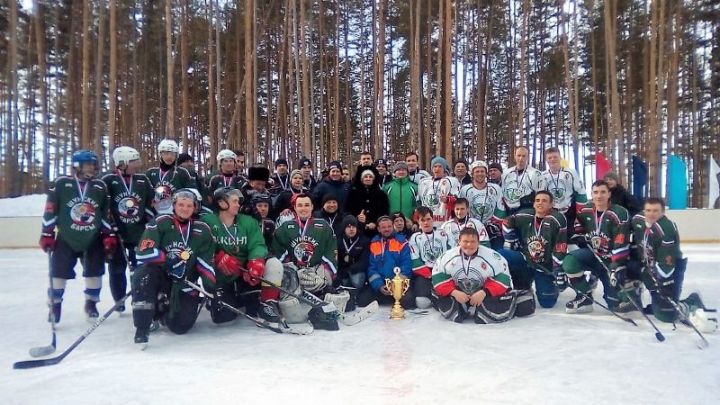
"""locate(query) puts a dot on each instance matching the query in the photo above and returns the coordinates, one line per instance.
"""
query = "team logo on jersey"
(176, 249)
(430, 200)
(303, 249)
(128, 207)
(600, 242)
(468, 285)
(558, 191)
(514, 191)
(431, 250)
(536, 248)
(82, 214)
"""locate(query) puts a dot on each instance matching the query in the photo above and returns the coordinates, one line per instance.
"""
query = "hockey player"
(657, 261)
(130, 197)
(388, 250)
(439, 191)
(519, 184)
(461, 219)
(227, 175)
(309, 245)
(483, 197)
(472, 278)
(79, 206)
(542, 236)
(240, 260)
(600, 228)
(426, 246)
(168, 177)
(565, 185)
(173, 248)
(415, 173)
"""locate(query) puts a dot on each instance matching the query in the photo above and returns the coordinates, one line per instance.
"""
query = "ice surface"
(550, 358)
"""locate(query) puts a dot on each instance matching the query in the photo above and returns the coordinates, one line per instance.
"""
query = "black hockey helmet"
(224, 193)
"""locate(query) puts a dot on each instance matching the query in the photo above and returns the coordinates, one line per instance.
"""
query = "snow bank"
(25, 206)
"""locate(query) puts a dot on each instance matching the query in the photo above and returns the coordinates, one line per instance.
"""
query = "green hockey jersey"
(657, 246)
(130, 204)
(306, 245)
(543, 241)
(608, 231)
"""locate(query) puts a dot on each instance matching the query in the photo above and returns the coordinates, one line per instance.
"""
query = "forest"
(328, 79)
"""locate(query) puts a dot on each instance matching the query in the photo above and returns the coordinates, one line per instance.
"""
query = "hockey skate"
(55, 312)
(142, 337)
(270, 312)
(581, 304)
(91, 310)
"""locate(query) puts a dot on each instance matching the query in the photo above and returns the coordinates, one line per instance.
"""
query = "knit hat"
(334, 165)
(259, 173)
(294, 173)
(281, 161)
(184, 157)
(381, 162)
(329, 197)
(349, 220)
(495, 166)
(366, 172)
(304, 162)
(400, 166)
(439, 160)
(612, 175)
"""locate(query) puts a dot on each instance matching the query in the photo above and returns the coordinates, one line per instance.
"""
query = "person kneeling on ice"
(240, 260)
(426, 246)
(173, 248)
(602, 235)
(307, 248)
(473, 278)
(540, 234)
(80, 207)
(388, 250)
(657, 261)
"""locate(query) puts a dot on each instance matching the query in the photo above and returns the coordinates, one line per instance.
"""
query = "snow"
(551, 357)
(26, 206)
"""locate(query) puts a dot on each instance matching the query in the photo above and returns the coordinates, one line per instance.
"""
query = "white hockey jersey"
(418, 175)
(516, 186)
(454, 226)
(426, 248)
(482, 201)
(429, 192)
(485, 269)
(565, 185)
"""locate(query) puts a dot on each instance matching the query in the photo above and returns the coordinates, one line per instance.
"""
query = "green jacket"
(402, 194)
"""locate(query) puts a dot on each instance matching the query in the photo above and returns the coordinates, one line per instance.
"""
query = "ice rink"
(549, 358)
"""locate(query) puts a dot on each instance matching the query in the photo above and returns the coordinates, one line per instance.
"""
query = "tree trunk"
(99, 88)
(211, 85)
(218, 77)
(184, 65)
(42, 66)
(85, 141)
(379, 80)
(447, 99)
(112, 92)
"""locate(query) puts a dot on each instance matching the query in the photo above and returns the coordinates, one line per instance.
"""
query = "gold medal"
(160, 189)
(185, 255)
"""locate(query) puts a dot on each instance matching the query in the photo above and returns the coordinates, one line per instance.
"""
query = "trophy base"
(397, 312)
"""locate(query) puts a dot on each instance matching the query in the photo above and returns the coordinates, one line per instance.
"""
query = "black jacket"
(358, 258)
(371, 199)
(338, 188)
(335, 220)
(620, 196)
(283, 199)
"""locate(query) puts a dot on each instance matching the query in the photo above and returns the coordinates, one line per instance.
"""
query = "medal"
(347, 259)
(185, 255)
(129, 203)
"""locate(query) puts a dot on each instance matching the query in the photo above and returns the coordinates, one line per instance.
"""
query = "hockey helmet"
(226, 154)
(84, 156)
(168, 145)
(123, 155)
(189, 193)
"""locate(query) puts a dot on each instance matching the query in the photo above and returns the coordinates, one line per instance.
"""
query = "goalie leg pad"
(292, 310)
(452, 310)
(423, 292)
(497, 309)
(525, 303)
(324, 317)
(340, 300)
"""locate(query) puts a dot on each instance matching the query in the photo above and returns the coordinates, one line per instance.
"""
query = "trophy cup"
(397, 286)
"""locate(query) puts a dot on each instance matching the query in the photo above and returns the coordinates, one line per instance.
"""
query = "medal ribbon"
(81, 190)
(185, 237)
(348, 248)
(598, 221)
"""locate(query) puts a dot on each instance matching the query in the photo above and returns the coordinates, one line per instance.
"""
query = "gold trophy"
(397, 286)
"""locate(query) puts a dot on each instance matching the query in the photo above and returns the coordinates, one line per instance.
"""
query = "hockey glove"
(255, 270)
(618, 276)
(580, 240)
(176, 267)
(493, 230)
(47, 242)
(561, 280)
(314, 278)
(228, 265)
(110, 244)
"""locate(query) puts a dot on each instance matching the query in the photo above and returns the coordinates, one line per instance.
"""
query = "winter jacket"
(620, 196)
(371, 199)
(402, 196)
(385, 255)
(283, 199)
(357, 259)
(334, 220)
(338, 188)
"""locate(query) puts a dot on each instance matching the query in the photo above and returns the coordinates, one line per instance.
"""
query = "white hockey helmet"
(226, 154)
(478, 163)
(122, 155)
(168, 145)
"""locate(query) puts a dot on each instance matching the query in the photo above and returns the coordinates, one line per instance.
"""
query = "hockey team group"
(293, 254)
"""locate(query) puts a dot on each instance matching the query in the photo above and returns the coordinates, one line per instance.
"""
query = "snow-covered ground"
(550, 358)
(26, 206)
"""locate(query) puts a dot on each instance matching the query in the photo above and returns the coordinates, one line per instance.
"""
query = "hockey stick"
(42, 351)
(658, 335)
(57, 359)
(703, 342)
(549, 273)
(259, 322)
